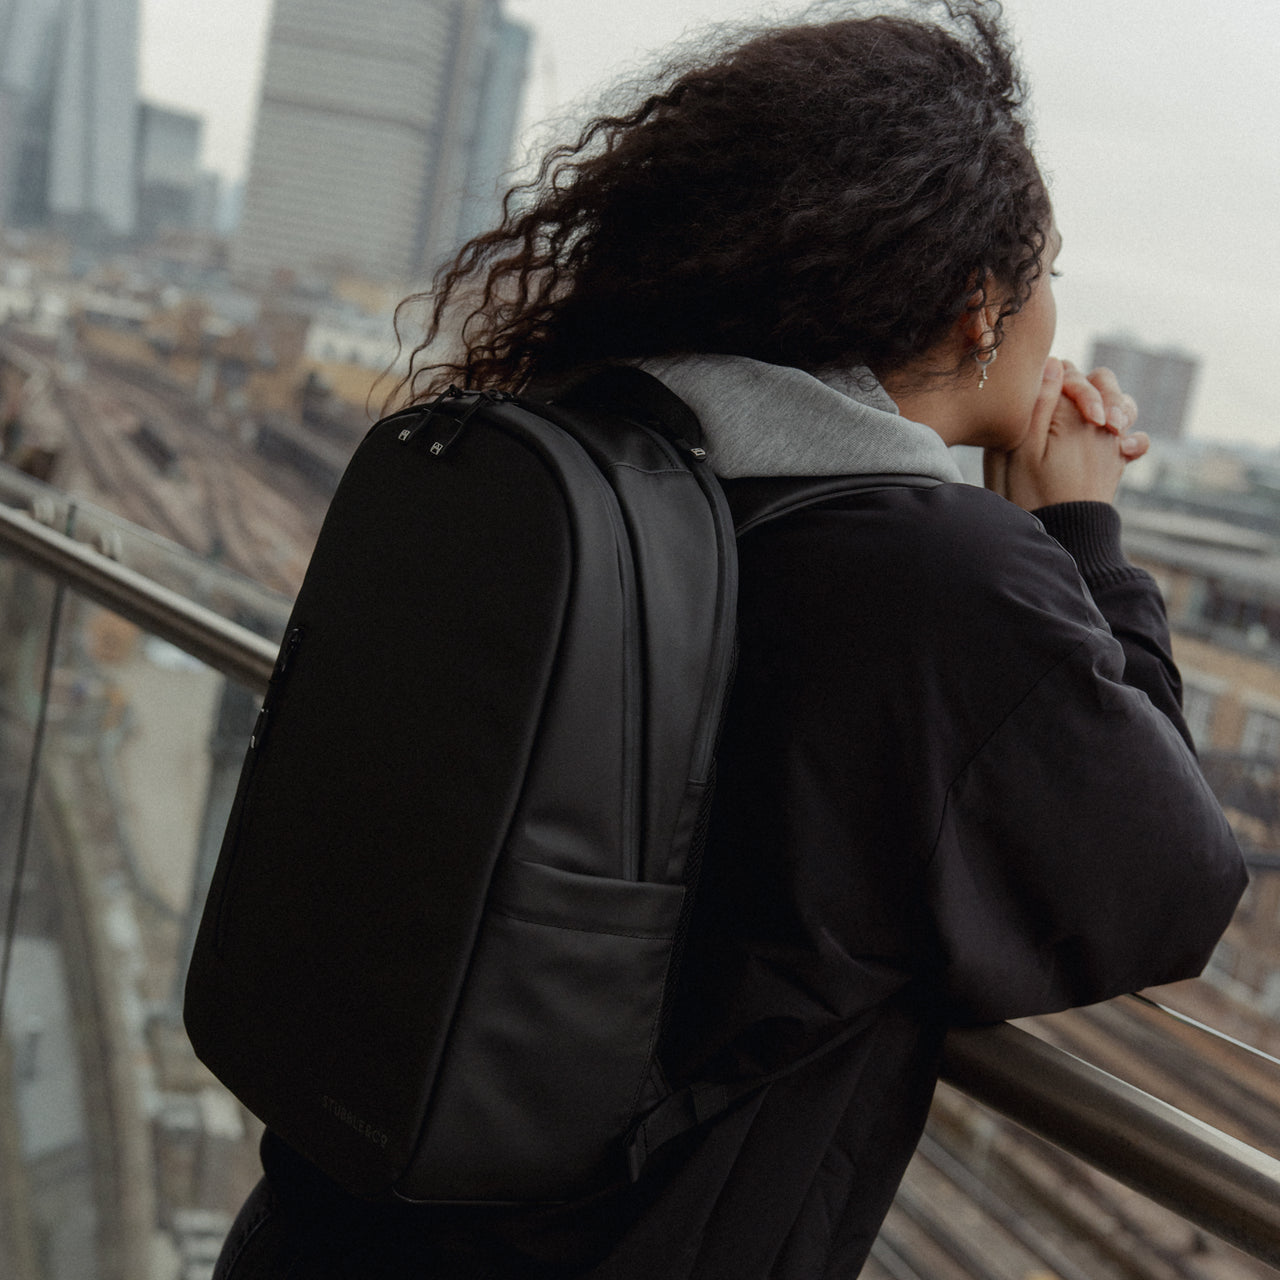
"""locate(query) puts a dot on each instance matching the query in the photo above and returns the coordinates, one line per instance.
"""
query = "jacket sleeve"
(1127, 597)
(1080, 852)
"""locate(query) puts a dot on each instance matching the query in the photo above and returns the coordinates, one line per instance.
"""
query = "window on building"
(1238, 609)
(1198, 704)
(1261, 735)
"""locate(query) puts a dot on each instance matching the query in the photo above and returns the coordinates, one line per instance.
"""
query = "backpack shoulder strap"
(628, 392)
(756, 502)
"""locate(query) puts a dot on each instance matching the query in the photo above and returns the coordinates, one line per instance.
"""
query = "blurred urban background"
(188, 356)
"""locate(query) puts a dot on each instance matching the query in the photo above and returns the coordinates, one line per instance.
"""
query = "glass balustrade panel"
(120, 1156)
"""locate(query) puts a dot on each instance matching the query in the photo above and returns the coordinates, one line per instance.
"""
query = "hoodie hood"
(769, 420)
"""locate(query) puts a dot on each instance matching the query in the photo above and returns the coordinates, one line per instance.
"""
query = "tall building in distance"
(1160, 380)
(483, 127)
(169, 179)
(383, 128)
(68, 104)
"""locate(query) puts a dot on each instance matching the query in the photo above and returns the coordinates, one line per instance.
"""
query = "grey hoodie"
(768, 420)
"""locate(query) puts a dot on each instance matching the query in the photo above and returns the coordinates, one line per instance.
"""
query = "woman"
(955, 782)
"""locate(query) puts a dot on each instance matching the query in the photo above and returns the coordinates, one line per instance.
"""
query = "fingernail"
(1098, 415)
(1117, 419)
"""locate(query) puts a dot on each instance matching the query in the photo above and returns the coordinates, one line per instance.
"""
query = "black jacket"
(955, 786)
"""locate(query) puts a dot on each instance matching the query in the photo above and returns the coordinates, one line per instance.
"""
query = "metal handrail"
(231, 649)
(1213, 1180)
(1220, 1184)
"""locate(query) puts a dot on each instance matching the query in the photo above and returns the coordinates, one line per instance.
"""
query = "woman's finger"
(1051, 390)
(1086, 397)
(1133, 446)
(1131, 405)
(1119, 409)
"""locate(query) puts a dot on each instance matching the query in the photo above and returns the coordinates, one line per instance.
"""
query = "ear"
(976, 324)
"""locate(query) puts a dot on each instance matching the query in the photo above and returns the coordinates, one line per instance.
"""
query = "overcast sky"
(1157, 124)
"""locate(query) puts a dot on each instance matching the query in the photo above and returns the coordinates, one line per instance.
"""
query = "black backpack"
(446, 917)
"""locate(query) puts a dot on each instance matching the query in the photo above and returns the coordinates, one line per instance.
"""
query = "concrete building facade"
(1160, 379)
(369, 134)
(29, 40)
(169, 177)
(68, 101)
(469, 192)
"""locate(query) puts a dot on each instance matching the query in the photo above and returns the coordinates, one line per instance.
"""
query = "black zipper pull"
(448, 428)
(409, 433)
(287, 651)
(284, 660)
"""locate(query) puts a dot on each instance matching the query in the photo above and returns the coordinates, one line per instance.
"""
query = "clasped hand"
(1078, 443)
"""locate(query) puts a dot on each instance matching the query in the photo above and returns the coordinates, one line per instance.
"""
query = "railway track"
(96, 434)
(219, 499)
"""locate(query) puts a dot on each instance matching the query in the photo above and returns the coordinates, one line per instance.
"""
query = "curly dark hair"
(828, 194)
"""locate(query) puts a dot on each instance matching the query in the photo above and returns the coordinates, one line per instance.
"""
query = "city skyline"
(1157, 127)
(425, 90)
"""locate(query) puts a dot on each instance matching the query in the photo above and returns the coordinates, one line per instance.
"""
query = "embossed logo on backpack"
(378, 1137)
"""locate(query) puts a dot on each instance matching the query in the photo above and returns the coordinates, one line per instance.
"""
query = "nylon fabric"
(441, 929)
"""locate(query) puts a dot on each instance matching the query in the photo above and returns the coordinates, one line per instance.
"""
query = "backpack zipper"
(449, 427)
(633, 778)
(288, 650)
(238, 825)
(632, 675)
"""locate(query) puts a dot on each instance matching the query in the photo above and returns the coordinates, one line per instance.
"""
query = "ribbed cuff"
(1090, 531)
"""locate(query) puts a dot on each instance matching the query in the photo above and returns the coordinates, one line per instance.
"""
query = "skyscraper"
(29, 37)
(1160, 380)
(168, 168)
(468, 186)
(68, 103)
(378, 122)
